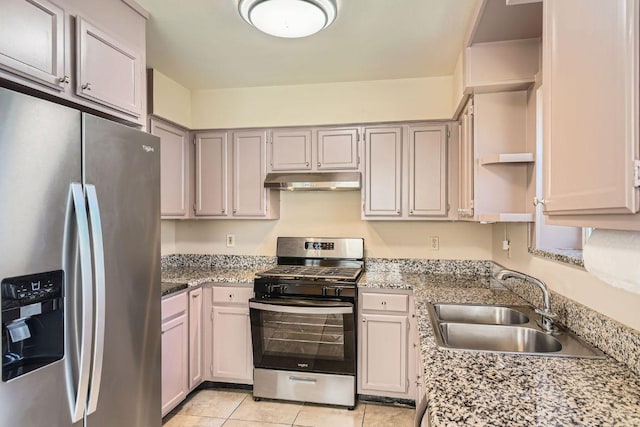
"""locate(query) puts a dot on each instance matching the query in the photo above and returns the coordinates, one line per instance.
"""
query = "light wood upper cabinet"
(465, 162)
(290, 150)
(32, 41)
(250, 198)
(314, 150)
(90, 53)
(211, 174)
(174, 168)
(109, 72)
(383, 171)
(591, 104)
(408, 172)
(230, 172)
(428, 170)
(337, 149)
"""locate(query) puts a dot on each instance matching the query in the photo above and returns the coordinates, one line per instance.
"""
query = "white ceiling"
(205, 44)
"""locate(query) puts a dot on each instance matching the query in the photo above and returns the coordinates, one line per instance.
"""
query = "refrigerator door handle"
(100, 290)
(77, 391)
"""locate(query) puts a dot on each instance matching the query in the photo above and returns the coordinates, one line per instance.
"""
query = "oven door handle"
(315, 308)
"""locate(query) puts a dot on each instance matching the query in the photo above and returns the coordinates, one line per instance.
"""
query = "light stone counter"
(486, 389)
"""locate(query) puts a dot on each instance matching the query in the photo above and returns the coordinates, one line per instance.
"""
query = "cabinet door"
(465, 162)
(591, 100)
(232, 353)
(175, 364)
(211, 174)
(383, 355)
(195, 338)
(338, 149)
(108, 72)
(32, 41)
(290, 150)
(383, 171)
(174, 183)
(427, 171)
(249, 171)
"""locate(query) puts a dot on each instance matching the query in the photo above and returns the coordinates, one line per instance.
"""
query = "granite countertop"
(175, 279)
(475, 388)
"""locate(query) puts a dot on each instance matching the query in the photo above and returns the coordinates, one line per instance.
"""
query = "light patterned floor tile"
(244, 423)
(179, 420)
(385, 415)
(213, 403)
(266, 411)
(321, 416)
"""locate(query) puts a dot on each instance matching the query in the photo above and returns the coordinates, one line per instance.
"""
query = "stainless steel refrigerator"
(79, 268)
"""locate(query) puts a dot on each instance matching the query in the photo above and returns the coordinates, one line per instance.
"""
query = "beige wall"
(331, 103)
(572, 282)
(167, 237)
(171, 100)
(335, 214)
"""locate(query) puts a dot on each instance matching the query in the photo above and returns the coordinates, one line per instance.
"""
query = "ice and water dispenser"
(32, 322)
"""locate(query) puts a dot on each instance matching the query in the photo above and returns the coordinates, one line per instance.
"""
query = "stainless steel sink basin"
(503, 329)
(512, 339)
(473, 313)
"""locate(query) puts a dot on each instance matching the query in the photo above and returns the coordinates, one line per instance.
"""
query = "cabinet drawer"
(385, 302)
(231, 295)
(174, 306)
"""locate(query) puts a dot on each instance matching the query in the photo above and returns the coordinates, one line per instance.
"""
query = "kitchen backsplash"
(429, 266)
(218, 261)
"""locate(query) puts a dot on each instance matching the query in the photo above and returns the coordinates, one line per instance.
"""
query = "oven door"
(303, 335)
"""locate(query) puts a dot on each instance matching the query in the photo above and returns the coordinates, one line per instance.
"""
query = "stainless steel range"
(303, 321)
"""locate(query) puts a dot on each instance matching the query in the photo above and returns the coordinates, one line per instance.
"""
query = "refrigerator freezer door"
(39, 157)
(124, 166)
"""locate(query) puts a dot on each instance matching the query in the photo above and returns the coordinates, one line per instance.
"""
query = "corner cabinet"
(406, 172)
(175, 351)
(228, 351)
(591, 125)
(386, 364)
(230, 168)
(174, 168)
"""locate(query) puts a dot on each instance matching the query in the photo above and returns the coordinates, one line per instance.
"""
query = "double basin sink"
(503, 329)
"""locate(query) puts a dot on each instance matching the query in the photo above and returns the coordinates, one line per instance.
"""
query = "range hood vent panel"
(319, 181)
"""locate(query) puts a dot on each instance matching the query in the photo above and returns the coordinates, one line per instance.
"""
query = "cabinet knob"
(235, 211)
(364, 320)
(64, 79)
(86, 86)
(319, 164)
(222, 211)
(307, 164)
(537, 201)
(230, 296)
(384, 303)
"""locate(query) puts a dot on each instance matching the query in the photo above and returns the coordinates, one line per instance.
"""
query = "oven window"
(304, 342)
(287, 334)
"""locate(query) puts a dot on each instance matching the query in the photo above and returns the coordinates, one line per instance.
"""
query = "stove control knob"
(324, 291)
(338, 291)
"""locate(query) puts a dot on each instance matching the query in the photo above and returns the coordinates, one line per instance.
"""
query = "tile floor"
(236, 408)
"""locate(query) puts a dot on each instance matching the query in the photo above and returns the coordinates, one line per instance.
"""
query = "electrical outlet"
(434, 243)
(231, 240)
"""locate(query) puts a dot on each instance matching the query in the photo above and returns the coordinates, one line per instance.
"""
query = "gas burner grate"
(313, 272)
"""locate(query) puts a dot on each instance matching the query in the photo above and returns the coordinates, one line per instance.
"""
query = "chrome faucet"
(547, 317)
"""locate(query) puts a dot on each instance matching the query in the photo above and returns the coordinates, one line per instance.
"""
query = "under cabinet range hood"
(318, 181)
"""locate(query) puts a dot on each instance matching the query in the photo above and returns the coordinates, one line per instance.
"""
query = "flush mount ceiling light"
(288, 18)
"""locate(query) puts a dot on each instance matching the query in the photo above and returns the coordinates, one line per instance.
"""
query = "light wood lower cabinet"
(228, 351)
(386, 365)
(175, 350)
(195, 338)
